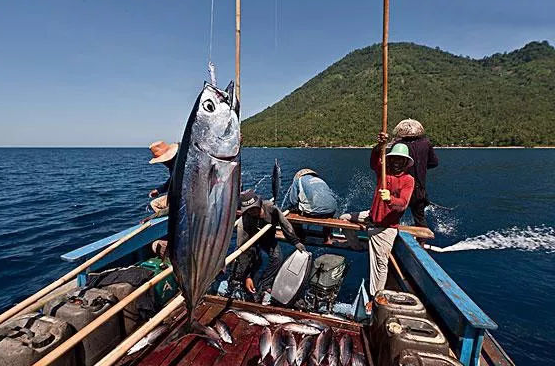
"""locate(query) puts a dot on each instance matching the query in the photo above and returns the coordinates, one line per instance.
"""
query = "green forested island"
(502, 100)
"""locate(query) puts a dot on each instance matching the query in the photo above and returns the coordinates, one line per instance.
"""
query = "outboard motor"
(326, 278)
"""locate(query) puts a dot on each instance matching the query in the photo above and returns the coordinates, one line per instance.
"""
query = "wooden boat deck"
(193, 350)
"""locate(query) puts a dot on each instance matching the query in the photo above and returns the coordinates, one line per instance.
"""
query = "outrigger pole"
(384, 101)
(238, 50)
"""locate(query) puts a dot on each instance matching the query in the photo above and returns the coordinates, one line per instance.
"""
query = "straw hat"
(162, 151)
(305, 171)
(408, 128)
(401, 150)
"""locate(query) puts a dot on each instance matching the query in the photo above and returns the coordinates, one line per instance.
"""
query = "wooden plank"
(191, 345)
(166, 346)
(333, 223)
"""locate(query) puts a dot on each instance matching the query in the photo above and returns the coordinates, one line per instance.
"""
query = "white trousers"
(380, 243)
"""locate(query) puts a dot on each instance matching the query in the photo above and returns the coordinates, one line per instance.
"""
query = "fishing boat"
(412, 270)
(430, 319)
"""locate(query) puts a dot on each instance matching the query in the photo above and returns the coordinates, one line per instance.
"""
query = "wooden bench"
(464, 319)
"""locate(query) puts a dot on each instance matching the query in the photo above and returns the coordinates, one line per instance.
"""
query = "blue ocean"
(494, 211)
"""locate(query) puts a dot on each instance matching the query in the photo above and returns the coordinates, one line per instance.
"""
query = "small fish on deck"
(290, 348)
(278, 318)
(346, 349)
(265, 343)
(249, 317)
(223, 331)
(278, 344)
(322, 345)
(304, 349)
(333, 353)
(300, 328)
(149, 339)
(314, 323)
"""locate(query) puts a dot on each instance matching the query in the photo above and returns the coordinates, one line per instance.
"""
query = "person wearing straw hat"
(163, 153)
(385, 214)
(411, 133)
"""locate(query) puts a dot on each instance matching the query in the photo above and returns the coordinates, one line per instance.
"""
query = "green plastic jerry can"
(165, 289)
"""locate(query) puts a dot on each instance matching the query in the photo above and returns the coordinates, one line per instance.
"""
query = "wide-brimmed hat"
(305, 171)
(249, 199)
(408, 128)
(401, 150)
(161, 151)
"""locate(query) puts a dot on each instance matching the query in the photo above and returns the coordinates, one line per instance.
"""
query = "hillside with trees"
(502, 100)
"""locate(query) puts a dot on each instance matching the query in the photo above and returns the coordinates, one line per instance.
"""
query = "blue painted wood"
(463, 317)
(440, 289)
(89, 250)
(477, 349)
(467, 344)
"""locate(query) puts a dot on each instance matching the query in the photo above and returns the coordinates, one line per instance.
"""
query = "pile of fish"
(317, 345)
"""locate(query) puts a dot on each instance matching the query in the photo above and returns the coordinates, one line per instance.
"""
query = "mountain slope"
(501, 100)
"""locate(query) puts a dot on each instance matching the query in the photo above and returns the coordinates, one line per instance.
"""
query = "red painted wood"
(160, 352)
(187, 350)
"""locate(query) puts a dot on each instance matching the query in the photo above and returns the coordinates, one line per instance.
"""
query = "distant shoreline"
(277, 147)
(369, 147)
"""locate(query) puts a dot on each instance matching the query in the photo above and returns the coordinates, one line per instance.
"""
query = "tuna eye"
(208, 106)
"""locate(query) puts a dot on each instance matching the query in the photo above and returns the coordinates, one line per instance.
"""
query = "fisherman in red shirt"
(387, 208)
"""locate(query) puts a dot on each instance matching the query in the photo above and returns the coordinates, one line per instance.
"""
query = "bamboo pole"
(39, 304)
(238, 49)
(147, 327)
(89, 328)
(62, 280)
(130, 341)
(384, 91)
(230, 258)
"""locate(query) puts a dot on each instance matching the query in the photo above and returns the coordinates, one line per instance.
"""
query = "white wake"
(539, 238)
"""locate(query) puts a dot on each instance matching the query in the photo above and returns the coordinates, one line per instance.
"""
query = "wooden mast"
(384, 103)
(238, 50)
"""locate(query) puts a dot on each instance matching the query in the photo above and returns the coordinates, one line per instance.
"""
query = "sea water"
(493, 213)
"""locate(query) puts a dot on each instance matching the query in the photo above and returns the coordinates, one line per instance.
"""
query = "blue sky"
(126, 72)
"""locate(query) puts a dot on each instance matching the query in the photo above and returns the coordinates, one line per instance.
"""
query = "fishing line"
(211, 67)
(275, 52)
(211, 32)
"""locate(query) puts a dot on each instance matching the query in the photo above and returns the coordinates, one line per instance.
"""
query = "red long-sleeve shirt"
(388, 214)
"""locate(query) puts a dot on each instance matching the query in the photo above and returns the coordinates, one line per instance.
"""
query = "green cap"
(401, 150)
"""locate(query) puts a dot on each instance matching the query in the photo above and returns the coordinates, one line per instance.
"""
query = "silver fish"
(357, 360)
(300, 328)
(276, 181)
(149, 339)
(265, 343)
(205, 331)
(304, 349)
(290, 348)
(314, 323)
(278, 344)
(278, 318)
(333, 354)
(223, 331)
(322, 344)
(251, 318)
(203, 193)
(281, 360)
(346, 349)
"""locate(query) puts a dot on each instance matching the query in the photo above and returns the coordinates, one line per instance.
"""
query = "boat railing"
(464, 320)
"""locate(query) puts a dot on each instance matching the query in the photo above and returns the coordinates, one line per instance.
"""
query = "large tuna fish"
(203, 192)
